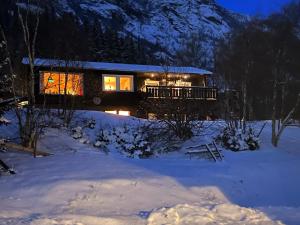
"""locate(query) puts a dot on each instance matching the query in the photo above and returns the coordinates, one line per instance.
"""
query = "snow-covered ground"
(81, 185)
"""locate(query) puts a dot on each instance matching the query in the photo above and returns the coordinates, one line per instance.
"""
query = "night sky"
(254, 7)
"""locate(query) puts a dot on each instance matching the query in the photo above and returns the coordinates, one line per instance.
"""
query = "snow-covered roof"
(115, 66)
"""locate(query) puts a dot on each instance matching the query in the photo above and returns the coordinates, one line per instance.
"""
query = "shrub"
(131, 141)
(236, 139)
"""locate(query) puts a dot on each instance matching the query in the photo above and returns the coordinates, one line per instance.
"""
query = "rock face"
(166, 23)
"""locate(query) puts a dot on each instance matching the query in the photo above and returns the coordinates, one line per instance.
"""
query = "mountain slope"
(165, 23)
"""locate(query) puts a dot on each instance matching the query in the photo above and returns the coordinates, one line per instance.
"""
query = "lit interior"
(117, 83)
(177, 83)
(120, 112)
(124, 113)
(110, 83)
(112, 112)
(149, 82)
(56, 83)
(125, 83)
(182, 83)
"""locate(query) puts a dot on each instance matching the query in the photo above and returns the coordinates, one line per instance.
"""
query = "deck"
(194, 92)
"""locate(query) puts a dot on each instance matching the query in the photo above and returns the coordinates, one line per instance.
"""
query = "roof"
(103, 66)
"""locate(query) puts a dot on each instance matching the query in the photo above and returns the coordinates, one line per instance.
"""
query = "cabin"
(119, 88)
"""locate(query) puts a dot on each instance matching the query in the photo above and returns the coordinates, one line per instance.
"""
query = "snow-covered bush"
(237, 139)
(4, 121)
(103, 139)
(130, 140)
(2, 144)
(91, 124)
(77, 132)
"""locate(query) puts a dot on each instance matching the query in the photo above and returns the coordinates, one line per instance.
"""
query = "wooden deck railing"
(204, 93)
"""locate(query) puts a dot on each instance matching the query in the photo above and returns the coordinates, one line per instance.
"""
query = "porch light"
(152, 75)
(185, 77)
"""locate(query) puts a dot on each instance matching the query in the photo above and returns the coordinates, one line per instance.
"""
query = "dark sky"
(254, 7)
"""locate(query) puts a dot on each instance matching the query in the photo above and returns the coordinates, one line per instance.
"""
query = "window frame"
(118, 79)
(42, 89)
(103, 83)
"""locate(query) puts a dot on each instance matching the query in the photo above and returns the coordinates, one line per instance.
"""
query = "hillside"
(167, 24)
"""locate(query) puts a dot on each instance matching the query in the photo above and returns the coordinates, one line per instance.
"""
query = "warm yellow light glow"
(118, 83)
(183, 83)
(152, 75)
(126, 83)
(61, 83)
(110, 83)
(185, 77)
(120, 112)
(149, 82)
(124, 113)
(152, 116)
(23, 103)
(112, 112)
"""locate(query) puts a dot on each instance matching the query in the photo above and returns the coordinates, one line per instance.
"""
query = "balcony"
(173, 92)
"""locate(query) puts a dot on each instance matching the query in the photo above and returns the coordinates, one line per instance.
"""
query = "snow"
(218, 214)
(3, 120)
(30, 7)
(116, 66)
(104, 9)
(82, 185)
(164, 22)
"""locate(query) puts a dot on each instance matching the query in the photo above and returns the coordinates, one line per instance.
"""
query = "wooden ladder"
(209, 151)
(6, 167)
(214, 151)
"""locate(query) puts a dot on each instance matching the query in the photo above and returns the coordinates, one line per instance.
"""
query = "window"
(115, 112)
(125, 83)
(110, 83)
(118, 112)
(124, 113)
(118, 83)
(56, 83)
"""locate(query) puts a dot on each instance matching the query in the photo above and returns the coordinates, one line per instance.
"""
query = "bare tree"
(284, 48)
(30, 119)
(236, 62)
(278, 126)
(176, 108)
(177, 115)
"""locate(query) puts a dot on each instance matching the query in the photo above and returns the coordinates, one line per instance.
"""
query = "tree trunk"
(286, 121)
(245, 103)
(274, 112)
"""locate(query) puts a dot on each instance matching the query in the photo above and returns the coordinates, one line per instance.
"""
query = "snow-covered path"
(81, 186)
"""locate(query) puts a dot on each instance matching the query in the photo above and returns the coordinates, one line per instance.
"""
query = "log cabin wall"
(92, 87)
(110, 100)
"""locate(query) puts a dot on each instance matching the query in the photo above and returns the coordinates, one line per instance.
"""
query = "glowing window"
(110, 83)
(124, 113)
(56, 83)
(126, 84)
(117, 83)
(118, 112)
(112, 112)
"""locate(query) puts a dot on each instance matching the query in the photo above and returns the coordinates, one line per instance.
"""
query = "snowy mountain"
(166, 23)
